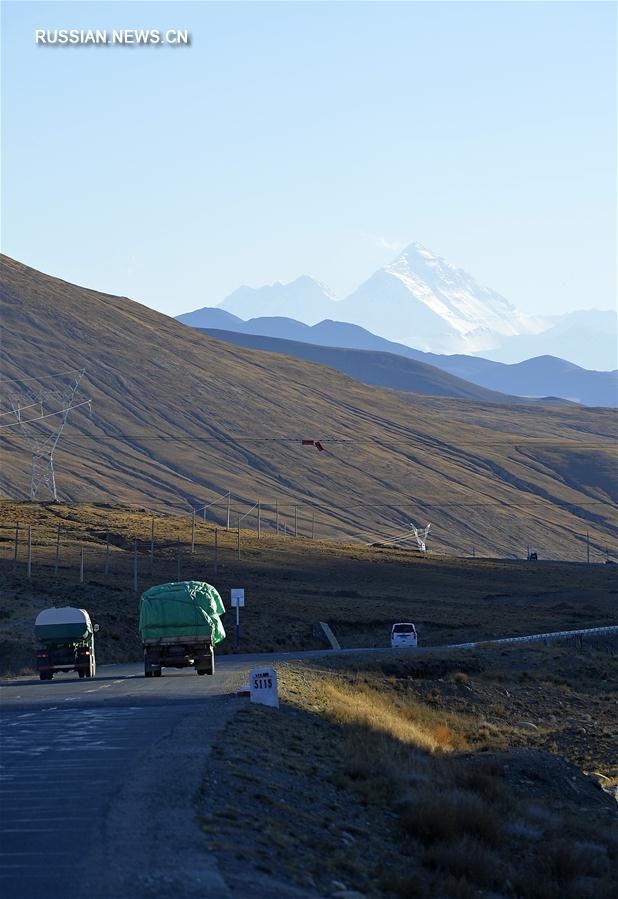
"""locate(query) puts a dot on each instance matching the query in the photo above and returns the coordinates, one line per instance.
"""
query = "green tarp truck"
(179, 626)
(65, 642)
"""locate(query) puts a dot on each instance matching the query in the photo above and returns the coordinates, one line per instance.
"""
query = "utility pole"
(57, 558)
(54, 403)
(16, 548)
(135, 566)
(29, 559)
(152, 540)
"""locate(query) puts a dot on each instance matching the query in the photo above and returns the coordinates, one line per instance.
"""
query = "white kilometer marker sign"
(264, 687)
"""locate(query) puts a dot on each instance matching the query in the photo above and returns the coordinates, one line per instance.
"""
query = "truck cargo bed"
(178, 638)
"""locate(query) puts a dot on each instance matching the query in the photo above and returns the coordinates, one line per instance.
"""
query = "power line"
(510, 440)
(29, 406)
(68, 371)
(29, 421)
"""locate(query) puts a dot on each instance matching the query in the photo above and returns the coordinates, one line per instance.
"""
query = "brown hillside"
(178, 416)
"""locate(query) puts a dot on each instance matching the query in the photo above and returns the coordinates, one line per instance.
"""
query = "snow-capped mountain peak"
(419, 299)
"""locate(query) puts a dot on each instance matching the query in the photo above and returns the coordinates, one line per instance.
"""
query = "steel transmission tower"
(421, 536)
(54, 404)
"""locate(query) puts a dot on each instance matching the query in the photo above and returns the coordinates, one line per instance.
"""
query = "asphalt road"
(98, 779)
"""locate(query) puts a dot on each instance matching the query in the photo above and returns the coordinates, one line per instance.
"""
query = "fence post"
(296, 521)
(229, 500)
(193, 533)
(238, 540)
(106, 570)
(259, 519)
(81, 564)
(313, 525)
(15, 550)
(29, 561)
(216, 549)
(57, 558)
(152, 539)
(135, 566)
(178, 560)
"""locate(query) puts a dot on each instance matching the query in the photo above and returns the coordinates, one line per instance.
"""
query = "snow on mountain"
(304, 299)
(424, 301)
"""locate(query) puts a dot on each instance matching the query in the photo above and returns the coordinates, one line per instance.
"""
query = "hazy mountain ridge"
(388, 370)
(544, 376)
(178, 416)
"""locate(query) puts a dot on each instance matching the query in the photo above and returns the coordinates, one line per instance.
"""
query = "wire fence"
(188, 545)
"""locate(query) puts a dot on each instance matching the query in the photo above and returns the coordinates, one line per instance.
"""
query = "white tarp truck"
(65, 642)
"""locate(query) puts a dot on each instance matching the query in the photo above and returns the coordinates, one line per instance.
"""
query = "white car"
(403, 635)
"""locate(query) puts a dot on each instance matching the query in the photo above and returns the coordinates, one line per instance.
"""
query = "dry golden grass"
(479, 811)
(354, 704)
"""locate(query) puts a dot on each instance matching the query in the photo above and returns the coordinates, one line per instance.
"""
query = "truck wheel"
(45, 676)
(200, 671)
(148, 673)
(81, 673)
(157, 673)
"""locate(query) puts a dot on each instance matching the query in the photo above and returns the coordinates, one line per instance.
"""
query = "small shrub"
(466, 858)
(441, 815)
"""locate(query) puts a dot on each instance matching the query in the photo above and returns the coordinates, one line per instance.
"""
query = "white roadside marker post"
(237, 601)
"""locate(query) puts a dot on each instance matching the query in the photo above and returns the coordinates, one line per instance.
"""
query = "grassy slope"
(177, 415)
(371, 367)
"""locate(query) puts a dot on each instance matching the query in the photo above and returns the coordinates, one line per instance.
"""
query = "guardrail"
(533, 638)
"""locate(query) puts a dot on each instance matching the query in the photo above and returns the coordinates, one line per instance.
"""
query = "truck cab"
(403, 635)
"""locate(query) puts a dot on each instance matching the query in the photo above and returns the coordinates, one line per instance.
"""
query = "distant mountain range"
(422, 301)
(419, 299)
(544, 376)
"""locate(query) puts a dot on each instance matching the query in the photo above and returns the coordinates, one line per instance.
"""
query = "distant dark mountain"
(538, 377)
(378, 369)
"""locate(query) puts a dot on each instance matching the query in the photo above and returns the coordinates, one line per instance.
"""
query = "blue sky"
(315, 138)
